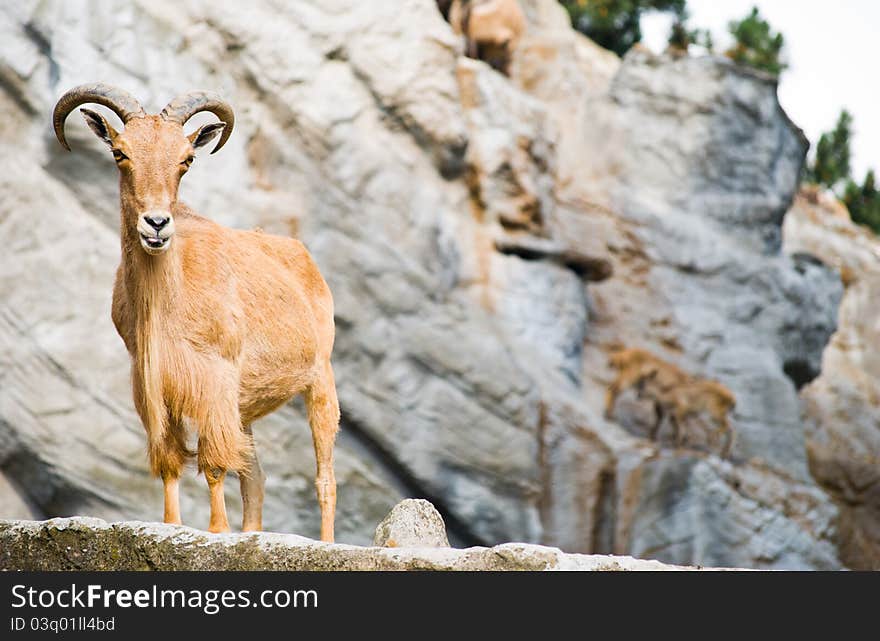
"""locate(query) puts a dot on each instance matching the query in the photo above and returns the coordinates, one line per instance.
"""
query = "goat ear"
(203, 135)
(101, 127)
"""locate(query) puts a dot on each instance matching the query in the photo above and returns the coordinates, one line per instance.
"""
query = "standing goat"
(223, 326)
(690, 400)
(674, 393)
(492, 28)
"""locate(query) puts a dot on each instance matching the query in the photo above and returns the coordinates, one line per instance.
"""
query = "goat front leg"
(323, 408)
(223, 444)
(725, 433)
(253, 484)
(611, 397)
(218, 522)
(678, 427)
(172, 499)
(167, 448)
(174, 454)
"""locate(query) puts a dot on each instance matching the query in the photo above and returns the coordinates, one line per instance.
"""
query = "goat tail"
(224, 444)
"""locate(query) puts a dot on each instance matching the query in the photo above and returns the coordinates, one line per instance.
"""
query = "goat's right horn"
(121, 102)
(189, 104)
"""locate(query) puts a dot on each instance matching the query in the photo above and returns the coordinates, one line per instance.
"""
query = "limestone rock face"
(842, 406)
(412, 523)
(487, 241)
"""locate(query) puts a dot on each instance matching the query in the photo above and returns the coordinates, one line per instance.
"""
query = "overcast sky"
(832, 49)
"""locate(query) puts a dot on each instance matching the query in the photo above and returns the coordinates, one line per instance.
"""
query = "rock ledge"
(81, 543)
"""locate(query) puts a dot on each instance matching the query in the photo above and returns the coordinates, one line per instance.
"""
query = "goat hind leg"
(253, 484)
(323, 408)
(654, 434)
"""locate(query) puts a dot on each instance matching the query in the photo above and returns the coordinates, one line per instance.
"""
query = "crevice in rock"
(545, 500)
(45, 47)
(458, 531)
(605, 514)
(800, 260)
(443, 6)
(799, 372)
(591, 269)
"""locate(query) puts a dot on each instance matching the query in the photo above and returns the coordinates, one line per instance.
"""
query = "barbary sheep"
(674, 393)
(492, 29)
(223, 326)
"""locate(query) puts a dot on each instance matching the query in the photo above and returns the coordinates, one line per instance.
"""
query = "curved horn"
(121, 102)
(189, 104)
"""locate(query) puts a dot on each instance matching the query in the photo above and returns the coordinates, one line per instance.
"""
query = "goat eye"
(118, 156)
(189, 160)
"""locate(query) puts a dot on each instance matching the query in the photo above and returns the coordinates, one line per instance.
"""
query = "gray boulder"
(412, 523)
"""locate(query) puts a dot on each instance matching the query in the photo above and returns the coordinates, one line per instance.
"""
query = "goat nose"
(156, 222)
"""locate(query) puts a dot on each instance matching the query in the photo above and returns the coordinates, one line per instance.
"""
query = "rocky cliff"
(841, 408)
(487, 240)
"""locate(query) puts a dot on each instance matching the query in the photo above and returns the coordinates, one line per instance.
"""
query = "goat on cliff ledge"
(674, 393)
(492, 28)
(223, 326)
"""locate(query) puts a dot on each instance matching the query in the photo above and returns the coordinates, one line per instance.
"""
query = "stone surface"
(412, 523)
(487, 240)
(693, 164)
(91, 544)
(842, 406)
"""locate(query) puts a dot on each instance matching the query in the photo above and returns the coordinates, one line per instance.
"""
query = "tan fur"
(223, 327)
(691, 400)
(492, 29)
(675, 393)
(634, 366)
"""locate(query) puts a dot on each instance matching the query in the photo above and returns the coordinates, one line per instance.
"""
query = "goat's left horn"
(121, 102)
(188, 105)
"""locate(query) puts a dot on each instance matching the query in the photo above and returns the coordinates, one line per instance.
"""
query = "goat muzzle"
(155, 229)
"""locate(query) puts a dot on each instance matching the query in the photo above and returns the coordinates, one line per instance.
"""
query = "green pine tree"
(756, 44)
(863, 202)
(830, 168)
(831, 163)
(615, 24)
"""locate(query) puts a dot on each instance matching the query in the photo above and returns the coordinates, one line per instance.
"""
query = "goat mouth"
(154, 244)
